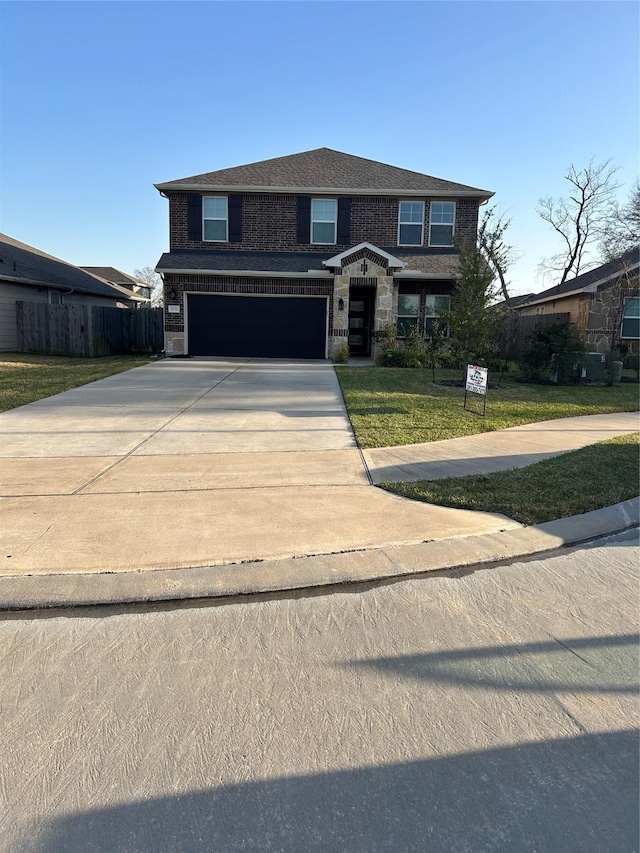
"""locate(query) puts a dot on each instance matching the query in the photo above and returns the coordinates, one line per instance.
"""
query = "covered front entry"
(361, 310)
(257, 326)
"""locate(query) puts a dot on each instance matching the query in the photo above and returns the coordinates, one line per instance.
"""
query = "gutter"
(348, 191)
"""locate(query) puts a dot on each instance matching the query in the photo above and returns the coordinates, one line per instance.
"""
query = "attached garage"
(257, 326)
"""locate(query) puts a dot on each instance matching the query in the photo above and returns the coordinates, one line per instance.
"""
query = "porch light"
(341, 304)
(173, 293)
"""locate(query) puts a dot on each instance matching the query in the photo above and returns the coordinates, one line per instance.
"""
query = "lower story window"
(408, 310)
(434, 307)
(631, 319)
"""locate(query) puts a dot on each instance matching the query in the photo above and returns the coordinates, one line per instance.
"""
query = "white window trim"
(413, 201)
(453, 229)
(334, 222)
(624, 337)
(216, 219)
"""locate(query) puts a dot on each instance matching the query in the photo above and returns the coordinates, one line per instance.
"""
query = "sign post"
(476, 384)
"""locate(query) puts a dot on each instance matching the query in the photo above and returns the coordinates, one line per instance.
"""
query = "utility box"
(594, 366)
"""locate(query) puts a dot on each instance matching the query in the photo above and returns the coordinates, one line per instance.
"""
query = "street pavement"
(488, 711)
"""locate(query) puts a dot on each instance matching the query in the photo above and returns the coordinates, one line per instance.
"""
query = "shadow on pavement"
(593, 664)
(564, 796)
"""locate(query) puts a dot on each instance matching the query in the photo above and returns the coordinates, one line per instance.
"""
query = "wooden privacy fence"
(518, 329)
(88, 330)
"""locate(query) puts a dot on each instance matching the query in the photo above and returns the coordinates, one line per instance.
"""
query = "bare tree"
(149, 277)
(579, 219)
(497, 252)
(621, 231)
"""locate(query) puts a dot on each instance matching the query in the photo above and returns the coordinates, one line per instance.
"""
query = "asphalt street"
(490, 711)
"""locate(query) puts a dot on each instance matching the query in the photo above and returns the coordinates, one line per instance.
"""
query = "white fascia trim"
(253, 273)
(349, 191)
(588, 288)
(336, 260)
(417, 274)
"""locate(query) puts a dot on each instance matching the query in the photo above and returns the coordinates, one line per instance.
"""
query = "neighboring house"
(29, 275)
(296, 256)
(140, 292)
(603, 303)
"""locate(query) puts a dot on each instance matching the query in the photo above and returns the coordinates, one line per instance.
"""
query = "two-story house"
(294, 256)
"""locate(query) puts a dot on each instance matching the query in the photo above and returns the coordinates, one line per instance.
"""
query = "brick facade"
(269, 223)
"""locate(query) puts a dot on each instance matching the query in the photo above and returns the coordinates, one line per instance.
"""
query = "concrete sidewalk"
(502, 450)
(242, 471)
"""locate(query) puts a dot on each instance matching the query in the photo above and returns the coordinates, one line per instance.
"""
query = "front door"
(360, 309)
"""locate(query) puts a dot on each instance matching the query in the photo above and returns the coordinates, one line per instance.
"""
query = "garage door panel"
(257, 326)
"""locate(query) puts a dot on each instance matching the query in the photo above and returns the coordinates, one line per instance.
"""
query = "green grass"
(571, 484)
(25, 378)
(391, 406)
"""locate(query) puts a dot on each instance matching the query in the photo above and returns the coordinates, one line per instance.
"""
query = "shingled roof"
(320, 170)
(24, 264)
(589, 281)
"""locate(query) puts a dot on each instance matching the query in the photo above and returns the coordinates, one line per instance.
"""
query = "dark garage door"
(257, 326)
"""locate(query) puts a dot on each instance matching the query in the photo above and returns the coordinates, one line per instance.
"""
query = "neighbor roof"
(589, 281)
(113, 275)
(24, 264)
(324, 169)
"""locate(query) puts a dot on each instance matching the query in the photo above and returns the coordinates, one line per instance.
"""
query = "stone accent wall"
(605, 310)
(269, 223)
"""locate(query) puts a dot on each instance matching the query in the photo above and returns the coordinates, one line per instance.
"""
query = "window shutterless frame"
(411, 223)
(408, 313)
(324, 212)
(215, 219)
(442, 217)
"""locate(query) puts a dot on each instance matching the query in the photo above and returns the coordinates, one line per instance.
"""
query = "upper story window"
(215, 219)
(411, 223)
(631, 318)
(55, 297)
(324, 219)
(441, 222)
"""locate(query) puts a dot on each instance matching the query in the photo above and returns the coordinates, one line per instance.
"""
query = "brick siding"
(269, 223)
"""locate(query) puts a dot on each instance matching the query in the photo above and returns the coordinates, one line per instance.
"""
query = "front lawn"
(25, 378)
(571, 484)
(390, 406)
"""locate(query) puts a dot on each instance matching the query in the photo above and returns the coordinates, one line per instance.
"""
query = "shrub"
(555, 353)
(341, 354)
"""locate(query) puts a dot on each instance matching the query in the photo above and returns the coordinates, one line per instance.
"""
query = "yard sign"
(476, 384)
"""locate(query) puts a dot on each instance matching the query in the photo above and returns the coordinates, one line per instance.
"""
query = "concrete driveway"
(197, 462)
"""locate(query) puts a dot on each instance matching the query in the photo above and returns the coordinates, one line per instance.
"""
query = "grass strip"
(570, 484)
(392, 406)
(25, 378)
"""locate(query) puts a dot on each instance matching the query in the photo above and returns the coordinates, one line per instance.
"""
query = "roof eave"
(348, 191)
(249, 273)
(64, 288)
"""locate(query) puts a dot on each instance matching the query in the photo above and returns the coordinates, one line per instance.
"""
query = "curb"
(393, 562)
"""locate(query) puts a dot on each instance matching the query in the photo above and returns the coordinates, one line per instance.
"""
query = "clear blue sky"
(99, 101)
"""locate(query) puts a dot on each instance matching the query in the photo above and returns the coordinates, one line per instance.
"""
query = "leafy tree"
(149, 277)
(580, 218)
(473, 316)
(498, 254)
